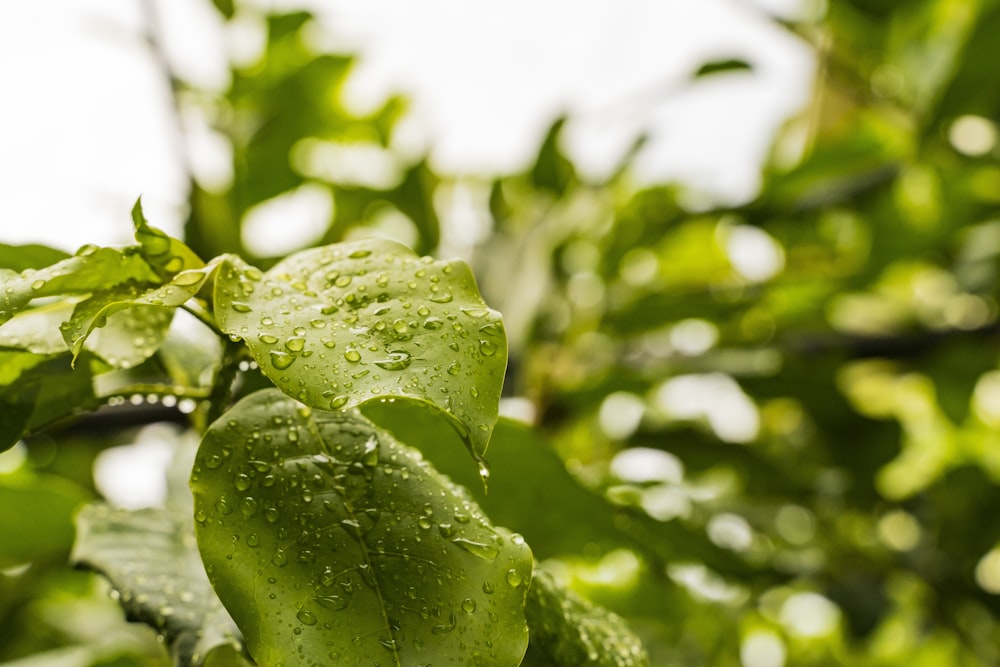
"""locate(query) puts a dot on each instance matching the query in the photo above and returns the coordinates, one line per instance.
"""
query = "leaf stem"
(222, 386)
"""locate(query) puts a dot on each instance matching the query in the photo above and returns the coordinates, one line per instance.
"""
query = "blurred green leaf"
(368, 553)
(150, 558)
(36, 515)
(571, 631)
(725, 65)
(32, 256)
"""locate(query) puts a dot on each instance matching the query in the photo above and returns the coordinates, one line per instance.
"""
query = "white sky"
(85, 125)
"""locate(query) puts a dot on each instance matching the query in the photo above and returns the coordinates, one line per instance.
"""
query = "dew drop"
(352, 356)
(213, 462)
(338, 402)
(295, 344)
(332, 602)
(479, 549)
(281, 360)
(397, 361)
(488, 348)
(280, 558)
(468, 605)
(306, 617)
(268, 339)
(440, 297)
(475, 313)
(242, 482)
(514, 578)
(253, 540)
(445, 628)
(248, 507)
(433, 323)
(240, 307)
(455, 368)
(360, 254)
(38, 284)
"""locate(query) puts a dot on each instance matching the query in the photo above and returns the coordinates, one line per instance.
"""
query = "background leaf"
(329, 541)
(151, 560)
(337, 326)
(36, 515)
(571, 631)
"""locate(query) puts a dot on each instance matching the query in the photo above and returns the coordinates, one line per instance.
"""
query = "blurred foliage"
(765, 433)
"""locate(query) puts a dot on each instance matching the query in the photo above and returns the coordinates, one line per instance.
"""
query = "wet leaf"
(337, 326)
(167, 255)
(332, 543)
(91, 270)
(571, 631)
(150, 558)
(126, 325)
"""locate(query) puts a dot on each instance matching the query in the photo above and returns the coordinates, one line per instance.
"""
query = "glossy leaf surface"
(151, 560)
(337, 326)
(92, 270)
(332, 543)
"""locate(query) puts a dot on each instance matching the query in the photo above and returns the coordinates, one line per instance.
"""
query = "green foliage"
(149, 556)
(357, 549)
(337, 326)
(763, 433)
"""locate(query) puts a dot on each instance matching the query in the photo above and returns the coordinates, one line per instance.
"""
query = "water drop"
(268, 339)
(253, 540)
(279, 558)
(475, 313)
(359, 254)
(455, 368)
(433, 323)
(295, 344)
(242, 482)
(488, 588)
(248, 507)
(514, 578)
(342, 281)
(479, 549)
(306, 617)
(370, 455)
(440, 297)
(488, 348)
(445, 627)
(332, 602)
(352, 356)
(397, 361)
(281, 360)
(38, 284)
(213, 462)
(317, 323)
(338, 402)
(468, 605)
(240, 307)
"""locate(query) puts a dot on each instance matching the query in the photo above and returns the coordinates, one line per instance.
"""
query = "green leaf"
(37, 390)
(95, 270)
(332, 543)
(529, 483)
(31, 256)
(337, 326)
(167, 255)
(36, 515)
(571, 631)
(132, 323)
(150, 558)
(723, 66)
(36, 330)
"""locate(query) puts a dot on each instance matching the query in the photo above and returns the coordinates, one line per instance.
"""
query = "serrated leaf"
(167, 255)
(340, 325)
(129, 324)
(332, 543)
(95, 270)
(571, 631)
(150, 558)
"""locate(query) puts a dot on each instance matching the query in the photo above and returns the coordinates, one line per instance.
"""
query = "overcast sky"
(86, 128)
